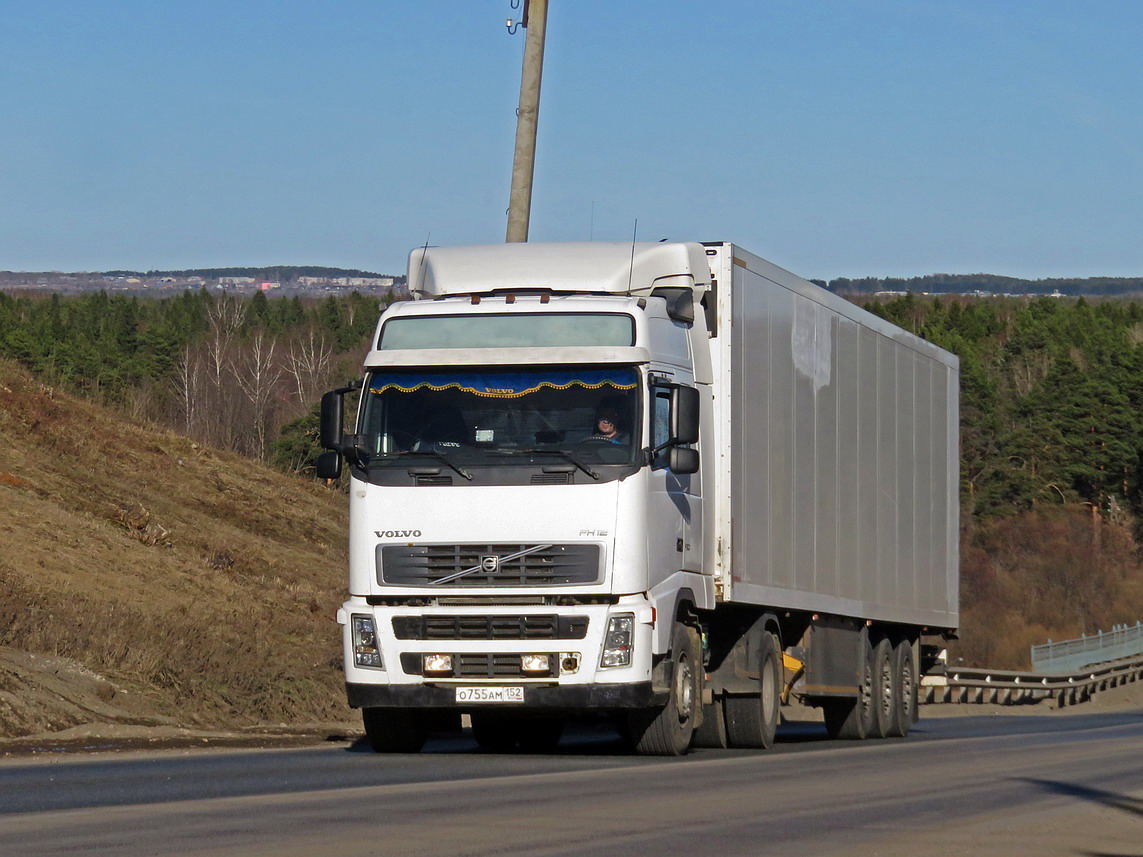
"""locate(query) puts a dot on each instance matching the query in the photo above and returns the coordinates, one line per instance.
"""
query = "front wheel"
(667, 731)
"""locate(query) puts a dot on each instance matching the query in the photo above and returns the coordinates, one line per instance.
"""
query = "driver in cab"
(607, 427)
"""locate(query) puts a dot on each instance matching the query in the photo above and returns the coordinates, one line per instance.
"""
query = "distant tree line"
(991, 284)
(226, 370)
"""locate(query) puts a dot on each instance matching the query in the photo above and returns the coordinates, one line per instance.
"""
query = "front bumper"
(581, 697)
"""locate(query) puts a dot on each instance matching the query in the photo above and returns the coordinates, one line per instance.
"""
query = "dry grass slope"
(196, 585)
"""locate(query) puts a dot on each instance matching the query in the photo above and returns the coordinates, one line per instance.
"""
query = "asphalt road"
(982, 785)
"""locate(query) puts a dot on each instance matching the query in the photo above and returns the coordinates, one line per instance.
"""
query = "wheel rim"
(907, 698)
(886, 689)
(866, 701)
(769, 682)
(684, 690)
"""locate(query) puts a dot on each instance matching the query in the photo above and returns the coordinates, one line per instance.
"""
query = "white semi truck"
(671, 484)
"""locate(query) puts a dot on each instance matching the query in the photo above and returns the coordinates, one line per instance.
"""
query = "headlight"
(619, 642)
(437, 664)
(536, 663)
(365, 650)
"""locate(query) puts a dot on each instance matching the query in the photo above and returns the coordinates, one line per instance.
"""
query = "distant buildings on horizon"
(54, 281)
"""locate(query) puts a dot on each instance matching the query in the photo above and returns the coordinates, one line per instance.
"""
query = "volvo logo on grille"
(490, 564)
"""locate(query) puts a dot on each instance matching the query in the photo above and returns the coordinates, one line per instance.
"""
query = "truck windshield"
(518, 330)
(586, 415)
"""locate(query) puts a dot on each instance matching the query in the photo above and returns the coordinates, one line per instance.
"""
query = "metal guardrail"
(1120, 642)
(971, 685)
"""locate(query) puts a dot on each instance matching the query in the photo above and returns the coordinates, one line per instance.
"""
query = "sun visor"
(584, 267)
(503, 385)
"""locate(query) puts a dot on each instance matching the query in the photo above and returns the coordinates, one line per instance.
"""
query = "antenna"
(424, 252)
(631, 267)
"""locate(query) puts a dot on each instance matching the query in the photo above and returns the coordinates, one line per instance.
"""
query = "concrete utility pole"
(524, 162)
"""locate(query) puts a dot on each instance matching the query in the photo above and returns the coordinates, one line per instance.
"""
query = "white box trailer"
(839, 476)
(772, 511)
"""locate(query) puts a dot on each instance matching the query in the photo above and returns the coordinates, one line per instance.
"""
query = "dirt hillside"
(145, 579)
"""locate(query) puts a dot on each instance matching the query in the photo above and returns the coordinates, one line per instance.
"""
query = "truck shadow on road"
(1131, 805)
(1112, 800)
(585, 740)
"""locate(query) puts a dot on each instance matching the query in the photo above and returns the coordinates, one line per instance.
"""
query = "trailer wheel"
(752, 721)
(904, 690)
(394, 730)
(852, 718)
(884, 690)
(667, 731)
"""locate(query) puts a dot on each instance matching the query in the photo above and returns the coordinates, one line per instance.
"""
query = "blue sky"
(836, 138)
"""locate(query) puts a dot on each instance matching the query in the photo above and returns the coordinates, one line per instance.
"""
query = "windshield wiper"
(440, 456)
(563, 453)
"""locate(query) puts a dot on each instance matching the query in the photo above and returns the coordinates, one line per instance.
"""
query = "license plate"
(490, 694)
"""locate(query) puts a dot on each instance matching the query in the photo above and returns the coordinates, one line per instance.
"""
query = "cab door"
(676, 499)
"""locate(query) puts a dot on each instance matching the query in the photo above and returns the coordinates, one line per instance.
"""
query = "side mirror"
(684, 415)
(682, 461)
(332, 416)
(328, 465)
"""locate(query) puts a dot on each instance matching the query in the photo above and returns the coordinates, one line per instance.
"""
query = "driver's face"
(606, 426)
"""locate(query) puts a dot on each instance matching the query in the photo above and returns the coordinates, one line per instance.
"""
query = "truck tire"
(884, 689)
(904, 690)
(667, 731)
(712, 731)
(394, 730)
(752, 721)
(851, 718)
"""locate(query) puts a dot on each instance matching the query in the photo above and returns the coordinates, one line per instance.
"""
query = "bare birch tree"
(258, 374)
(308, 363)
(188, 392)
(219, 418)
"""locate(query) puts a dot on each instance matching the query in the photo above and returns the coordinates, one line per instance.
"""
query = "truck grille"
(552, 627)
(487, 565)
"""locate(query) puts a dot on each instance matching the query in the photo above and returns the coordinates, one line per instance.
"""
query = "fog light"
(619, 641)
(438, 664)
(365, 650)
(535, 663)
